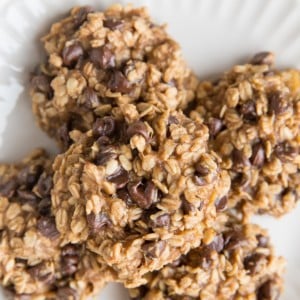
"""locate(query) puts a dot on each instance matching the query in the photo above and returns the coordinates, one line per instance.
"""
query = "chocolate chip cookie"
(140, 194)
(253, 113)
(35, 262)
(116, 63)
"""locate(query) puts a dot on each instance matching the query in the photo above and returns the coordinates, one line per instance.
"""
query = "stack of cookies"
(159, 174)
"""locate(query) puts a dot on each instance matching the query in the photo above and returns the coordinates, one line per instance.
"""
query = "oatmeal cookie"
(239, 264)
(35, 263)
(140, 194)
(115, 62)
(253, 113)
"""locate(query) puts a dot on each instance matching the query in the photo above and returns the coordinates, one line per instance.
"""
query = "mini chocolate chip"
(44, 207)
(248, 110)
(263, 58)
(240, 161)
(68, 293)
(44, 185)
(97, 222)
(120, 178)
(102, 57)
(71, 54)
(124, 195)
(118, 83)
(251, 262)
(262, 240)
(268, 291)
(221, 204)
(138, 127)
(27, 196)
(40, 273)
(70, 249)
(90, 98)
(103, 141)
(241, 181)
(258, 155)
(8, 188)
(69, 264)
(154, 249)
(47, 227)
(200, 258)
(161, 221)
(233, 239)
(81, 16)
(41, 83)
(277, 105)
(186, 206)
(113, 24)
(201, 172)
(144, 195)
(172, 120)
(30, 175)
(63, 136)
(217, 244)
(285, 152)
(103, 157)
(104, 126)
(215, 126)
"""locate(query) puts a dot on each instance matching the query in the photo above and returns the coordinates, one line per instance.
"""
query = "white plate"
(214, 35)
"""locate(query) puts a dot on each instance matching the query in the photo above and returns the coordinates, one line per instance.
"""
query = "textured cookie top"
(34, 261)
(141, 194)
(253, 113)
(238, 264)
(115, 62)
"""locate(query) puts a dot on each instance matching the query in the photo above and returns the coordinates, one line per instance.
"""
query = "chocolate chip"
(240, 161)
(154, 249)
(120, 178)
(81, 16)
(68, 293)
(113, 24)
(277, 104)
(188, 207)
(202, 258)
(241, 181)
(138, 127)
(44, 185)
(8, 188)
(233, 239)
(251, 262)
(47, 227)
(248, 110)
(40, 273)
(30, 175)
(161, 221)
(263, 58)
(104, 126)
(172, 120)
(70, 249)
(71, 54)
(118, 83)
(103, 141)
(90, 98)
(262, 240)
(268, 291)
(124, 195)
(285, 152)
(258, 155)
(41, 83)
(215, 126)
(221, 204)
(144, 195)
(44, 207)
(63, 136)
(102, 57)
(69, 264)
(104, 156)
(97, 222)
(27, 197)
(201, 172)
(217, 244)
